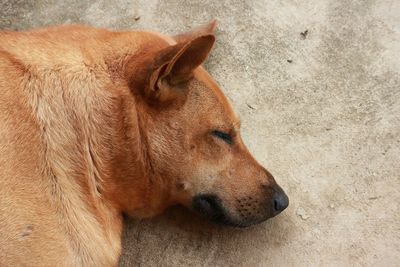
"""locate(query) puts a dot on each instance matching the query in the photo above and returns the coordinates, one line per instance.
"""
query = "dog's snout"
(280, 201)
(268, 175)
(275, 195)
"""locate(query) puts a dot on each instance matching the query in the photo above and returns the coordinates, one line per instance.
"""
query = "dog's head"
(193, 136)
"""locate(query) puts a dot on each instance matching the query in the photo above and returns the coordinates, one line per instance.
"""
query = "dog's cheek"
(212, 150)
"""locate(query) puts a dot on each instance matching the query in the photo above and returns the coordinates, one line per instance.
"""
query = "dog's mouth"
(210, 206)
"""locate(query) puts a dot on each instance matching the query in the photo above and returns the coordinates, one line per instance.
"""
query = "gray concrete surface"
(321, 112)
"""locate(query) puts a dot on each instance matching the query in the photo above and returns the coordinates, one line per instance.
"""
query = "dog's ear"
(158, 74)
(188, 56)
(208, 28)
(174, 65)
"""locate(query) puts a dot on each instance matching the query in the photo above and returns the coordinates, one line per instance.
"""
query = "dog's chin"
(210, 207)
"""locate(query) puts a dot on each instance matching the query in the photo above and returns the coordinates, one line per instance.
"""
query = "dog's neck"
(133, 185)
(130, 182)
(148, 191)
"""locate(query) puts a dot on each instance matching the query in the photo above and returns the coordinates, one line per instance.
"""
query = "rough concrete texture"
(320, 110)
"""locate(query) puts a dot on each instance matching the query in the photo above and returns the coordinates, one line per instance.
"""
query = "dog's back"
(26, 218)
(47, 93)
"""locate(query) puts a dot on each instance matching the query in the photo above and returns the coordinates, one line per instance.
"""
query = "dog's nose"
(280, 201)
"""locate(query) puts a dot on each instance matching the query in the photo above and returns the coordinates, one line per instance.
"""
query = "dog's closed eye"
(224, 136)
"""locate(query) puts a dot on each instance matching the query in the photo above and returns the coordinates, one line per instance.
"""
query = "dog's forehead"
(202, 75)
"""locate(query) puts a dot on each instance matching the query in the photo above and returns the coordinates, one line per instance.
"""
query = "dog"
(95, 124)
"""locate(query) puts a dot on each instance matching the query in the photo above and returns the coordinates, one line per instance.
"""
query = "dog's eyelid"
(227, 137)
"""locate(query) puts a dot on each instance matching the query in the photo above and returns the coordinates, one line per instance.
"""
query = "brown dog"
(94, 124)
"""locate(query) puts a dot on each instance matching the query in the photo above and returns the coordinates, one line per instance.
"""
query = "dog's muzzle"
(210, 206)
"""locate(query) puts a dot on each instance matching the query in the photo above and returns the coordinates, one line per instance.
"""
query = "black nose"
(281, 201)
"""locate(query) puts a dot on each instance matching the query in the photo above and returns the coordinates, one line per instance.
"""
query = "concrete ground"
(317, 85)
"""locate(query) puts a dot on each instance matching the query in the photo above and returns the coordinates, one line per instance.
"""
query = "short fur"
(94, 124)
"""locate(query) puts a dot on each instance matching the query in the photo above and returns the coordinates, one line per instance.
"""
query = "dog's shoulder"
(50, 80)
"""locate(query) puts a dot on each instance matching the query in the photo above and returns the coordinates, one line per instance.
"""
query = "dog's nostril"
(276, 205)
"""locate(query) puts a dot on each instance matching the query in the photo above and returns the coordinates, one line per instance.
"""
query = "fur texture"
(95, 124)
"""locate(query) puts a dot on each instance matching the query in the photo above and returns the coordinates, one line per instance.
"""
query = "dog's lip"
(210, 206)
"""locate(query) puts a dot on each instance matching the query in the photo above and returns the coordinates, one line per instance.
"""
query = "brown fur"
(95, 124)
